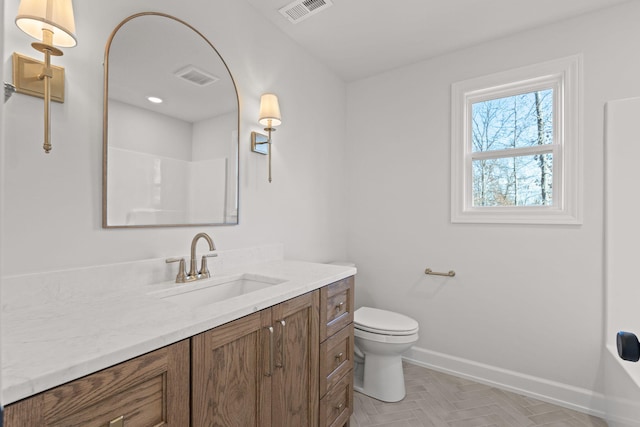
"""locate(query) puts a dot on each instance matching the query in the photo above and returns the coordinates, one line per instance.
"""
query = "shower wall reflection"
(166, 171)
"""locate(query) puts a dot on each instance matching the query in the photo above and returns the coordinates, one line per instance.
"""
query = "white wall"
(526, 307)
(53, 202)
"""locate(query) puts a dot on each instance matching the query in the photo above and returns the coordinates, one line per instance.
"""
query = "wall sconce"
(269, 117)
(51, 22)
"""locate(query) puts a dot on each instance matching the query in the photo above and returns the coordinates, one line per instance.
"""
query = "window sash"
(514, 152)
(556, 172)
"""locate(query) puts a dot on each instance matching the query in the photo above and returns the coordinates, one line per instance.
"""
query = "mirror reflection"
(170, 127)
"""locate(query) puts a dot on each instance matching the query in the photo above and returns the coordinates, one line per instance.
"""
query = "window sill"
(515, 215)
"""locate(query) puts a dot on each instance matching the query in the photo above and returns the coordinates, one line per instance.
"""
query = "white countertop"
(67, 336)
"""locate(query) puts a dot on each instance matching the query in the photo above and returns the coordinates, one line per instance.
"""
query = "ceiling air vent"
(302, 9)
(196, 76)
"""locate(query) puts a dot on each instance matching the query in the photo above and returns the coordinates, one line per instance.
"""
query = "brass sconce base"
(25, 77)
(259, 143)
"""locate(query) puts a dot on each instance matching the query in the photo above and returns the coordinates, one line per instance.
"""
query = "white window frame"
(564, 76)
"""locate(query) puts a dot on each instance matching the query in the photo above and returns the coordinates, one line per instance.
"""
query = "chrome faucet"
(194, 274)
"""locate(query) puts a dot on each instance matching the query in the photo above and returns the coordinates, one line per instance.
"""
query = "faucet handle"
(182, 276)
(204, 270)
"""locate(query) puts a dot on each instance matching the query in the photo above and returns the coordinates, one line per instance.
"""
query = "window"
(516, 146)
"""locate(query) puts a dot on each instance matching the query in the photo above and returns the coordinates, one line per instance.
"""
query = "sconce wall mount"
(26, 81)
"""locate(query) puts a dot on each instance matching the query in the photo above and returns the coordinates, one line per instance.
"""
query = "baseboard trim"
(567, 396)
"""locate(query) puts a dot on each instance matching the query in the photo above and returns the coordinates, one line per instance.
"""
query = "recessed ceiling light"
(154, 99)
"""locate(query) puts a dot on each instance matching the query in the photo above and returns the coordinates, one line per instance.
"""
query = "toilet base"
(383, 378)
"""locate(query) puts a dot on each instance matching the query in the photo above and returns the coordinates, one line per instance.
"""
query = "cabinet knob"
(118, 422)
(339, 356)
(340, 406)
(339, 306)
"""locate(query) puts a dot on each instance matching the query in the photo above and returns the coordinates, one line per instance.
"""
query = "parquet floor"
(435, 399)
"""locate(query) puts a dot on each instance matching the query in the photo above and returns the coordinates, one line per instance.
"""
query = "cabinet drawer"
(152, 389)
(337, 406)
(336, 358)
(336, 307)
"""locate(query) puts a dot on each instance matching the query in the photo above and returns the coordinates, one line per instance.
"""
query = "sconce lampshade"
(269, 110)
(53, 15)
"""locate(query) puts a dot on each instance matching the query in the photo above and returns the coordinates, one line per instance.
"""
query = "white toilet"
(380, 338)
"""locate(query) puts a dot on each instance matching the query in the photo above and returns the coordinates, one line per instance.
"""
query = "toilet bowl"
(380, 339)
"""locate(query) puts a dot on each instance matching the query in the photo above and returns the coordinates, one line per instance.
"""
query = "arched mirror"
(172, 162)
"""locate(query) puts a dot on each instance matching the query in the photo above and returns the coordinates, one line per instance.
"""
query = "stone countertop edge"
(44, 347)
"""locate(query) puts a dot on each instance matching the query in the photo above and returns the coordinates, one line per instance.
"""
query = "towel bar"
(451, 273)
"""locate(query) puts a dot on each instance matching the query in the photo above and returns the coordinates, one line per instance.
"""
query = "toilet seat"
(383, 322)
(384, 338)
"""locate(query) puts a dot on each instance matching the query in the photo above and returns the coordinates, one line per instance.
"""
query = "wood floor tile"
(435, 399)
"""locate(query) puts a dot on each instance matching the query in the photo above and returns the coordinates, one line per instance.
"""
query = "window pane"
(513, 181)
(513, 122)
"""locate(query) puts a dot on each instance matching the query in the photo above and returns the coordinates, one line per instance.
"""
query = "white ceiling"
(361, 38)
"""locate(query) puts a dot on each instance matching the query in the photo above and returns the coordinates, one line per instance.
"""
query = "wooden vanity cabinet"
(150, 390)
(260, 370)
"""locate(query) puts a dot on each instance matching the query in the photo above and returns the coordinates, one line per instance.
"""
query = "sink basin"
(216, 289)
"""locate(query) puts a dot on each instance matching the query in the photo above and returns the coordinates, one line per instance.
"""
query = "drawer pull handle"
(339, 357)
(339, 306)
(340, 406)
(118, 422)
(270, 368)
(282, 324)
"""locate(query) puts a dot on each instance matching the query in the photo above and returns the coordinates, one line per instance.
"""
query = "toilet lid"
(383, 322)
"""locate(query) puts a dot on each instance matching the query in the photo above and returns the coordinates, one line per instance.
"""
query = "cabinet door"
(294, 395)
(230, 364)
(152, 389)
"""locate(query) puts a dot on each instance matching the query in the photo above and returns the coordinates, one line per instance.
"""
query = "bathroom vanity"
(261, 363)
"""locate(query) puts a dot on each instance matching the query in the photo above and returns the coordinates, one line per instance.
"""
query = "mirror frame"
(105, 123)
